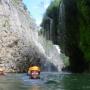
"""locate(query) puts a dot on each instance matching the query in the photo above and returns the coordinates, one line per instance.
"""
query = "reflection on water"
(35, 87)
(49, 81)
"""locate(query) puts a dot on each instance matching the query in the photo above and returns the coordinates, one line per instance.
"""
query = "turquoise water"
(49, 81)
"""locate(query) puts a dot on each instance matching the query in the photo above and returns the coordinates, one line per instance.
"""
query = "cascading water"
(53, 62)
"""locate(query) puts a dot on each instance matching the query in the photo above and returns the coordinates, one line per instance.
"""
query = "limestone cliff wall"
(18, 37)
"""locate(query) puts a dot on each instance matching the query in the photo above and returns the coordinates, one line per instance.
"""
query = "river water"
(49, 81)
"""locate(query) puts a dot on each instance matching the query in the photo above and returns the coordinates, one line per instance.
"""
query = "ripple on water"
(49, 81)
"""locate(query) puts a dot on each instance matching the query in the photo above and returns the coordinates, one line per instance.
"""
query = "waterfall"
(54, 61)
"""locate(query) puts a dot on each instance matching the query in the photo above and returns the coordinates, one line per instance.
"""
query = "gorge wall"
(18, 37)
(71, 30)
(20, 44)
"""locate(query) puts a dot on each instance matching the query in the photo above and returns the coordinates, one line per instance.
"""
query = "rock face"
(75, 17)
(18, 47)
(71, 30)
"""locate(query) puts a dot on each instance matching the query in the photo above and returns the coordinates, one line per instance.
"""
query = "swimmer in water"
(34, 72)
(2, 71)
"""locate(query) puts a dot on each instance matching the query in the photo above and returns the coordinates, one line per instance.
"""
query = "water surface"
(49, 81)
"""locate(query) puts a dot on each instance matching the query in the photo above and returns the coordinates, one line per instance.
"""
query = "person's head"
(1, 71)
(35, 72)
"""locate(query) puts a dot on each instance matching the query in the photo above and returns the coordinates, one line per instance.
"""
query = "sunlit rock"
(18, 36)
(19, 40)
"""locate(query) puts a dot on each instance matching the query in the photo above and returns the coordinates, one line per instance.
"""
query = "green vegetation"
(65, 60)
(52, 13)
(16, 2)
(84, 18)
(71, 30)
